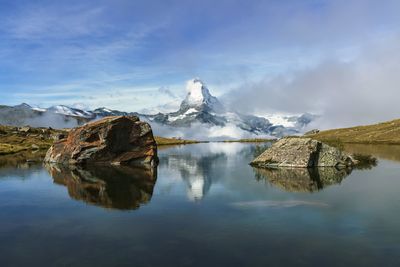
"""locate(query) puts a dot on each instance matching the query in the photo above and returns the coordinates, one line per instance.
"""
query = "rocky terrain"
(27, 139)
(118, 140)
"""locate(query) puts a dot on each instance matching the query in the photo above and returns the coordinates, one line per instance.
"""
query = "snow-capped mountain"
(68, 111)
(198, 108)
(199, 98)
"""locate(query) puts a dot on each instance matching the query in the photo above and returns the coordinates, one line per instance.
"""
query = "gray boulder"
(298, 152)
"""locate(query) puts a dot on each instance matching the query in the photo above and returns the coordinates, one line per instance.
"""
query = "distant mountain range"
(199, 107)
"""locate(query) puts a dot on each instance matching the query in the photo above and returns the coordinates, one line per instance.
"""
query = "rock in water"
(118, 140)
(302, 153)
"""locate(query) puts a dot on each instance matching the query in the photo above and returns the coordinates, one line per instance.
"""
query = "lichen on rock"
(298, 152)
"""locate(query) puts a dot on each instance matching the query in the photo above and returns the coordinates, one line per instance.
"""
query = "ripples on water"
(203, 206)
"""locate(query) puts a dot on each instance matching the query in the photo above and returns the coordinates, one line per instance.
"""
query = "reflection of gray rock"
(302, 179)
(302, 153)
(113, 187)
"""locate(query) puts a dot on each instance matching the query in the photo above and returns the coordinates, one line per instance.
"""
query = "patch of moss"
(6, 149)
(16, 139)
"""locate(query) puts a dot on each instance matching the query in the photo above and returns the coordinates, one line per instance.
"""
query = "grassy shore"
(17, 139)
(249, 140)
(381, 133)
(163, 141)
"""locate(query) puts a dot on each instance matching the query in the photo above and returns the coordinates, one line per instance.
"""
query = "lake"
(203, 206)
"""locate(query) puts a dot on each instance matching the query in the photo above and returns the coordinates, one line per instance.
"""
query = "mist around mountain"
(200, 116)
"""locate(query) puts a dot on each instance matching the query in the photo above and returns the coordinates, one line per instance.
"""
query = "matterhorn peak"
(199, 97)
(197, 92)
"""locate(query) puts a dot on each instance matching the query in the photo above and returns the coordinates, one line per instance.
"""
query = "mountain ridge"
(198, 107)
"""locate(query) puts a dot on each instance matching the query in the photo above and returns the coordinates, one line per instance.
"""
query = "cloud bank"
(346, 93)
(198, 131)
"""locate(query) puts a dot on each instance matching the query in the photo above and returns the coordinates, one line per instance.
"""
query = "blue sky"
(120, 53)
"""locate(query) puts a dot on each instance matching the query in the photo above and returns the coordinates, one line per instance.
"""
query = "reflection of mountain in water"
(196, 172)
(302, 179)
(114, 187)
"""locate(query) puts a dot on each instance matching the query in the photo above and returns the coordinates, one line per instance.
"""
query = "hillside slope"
(381, 133)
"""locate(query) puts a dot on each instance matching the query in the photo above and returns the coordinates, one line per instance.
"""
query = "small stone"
(24, 129)
(35, 147)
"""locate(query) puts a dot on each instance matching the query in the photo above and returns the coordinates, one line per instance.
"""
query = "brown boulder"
(117, 140)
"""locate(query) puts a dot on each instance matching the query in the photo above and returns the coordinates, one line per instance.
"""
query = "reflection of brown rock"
(117, 187)
(302, 179)
(116, 140)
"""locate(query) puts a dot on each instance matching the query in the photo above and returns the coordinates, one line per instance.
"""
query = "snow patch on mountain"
(68, 111)
(199, 97)
(197, 93)
(279, 119)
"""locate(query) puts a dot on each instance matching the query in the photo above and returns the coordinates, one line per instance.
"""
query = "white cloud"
(345, 93)
(198, 131)
(38, 22)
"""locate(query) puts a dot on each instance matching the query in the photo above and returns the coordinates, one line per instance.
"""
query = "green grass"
(249, 140)
(14, 141)
(162, 141)
(6, 149)
(381, 133)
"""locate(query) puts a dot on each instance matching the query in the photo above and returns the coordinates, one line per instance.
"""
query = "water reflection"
(121, 187)
(23, 160)
(301, 179)
(195, 171)
(200, 166)
(389, 152)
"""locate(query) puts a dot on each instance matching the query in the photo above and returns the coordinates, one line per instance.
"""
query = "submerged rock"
(118, 140)
(302, 153)
(114, 187)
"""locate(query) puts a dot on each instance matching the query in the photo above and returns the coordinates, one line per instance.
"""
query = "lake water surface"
(203, 206)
